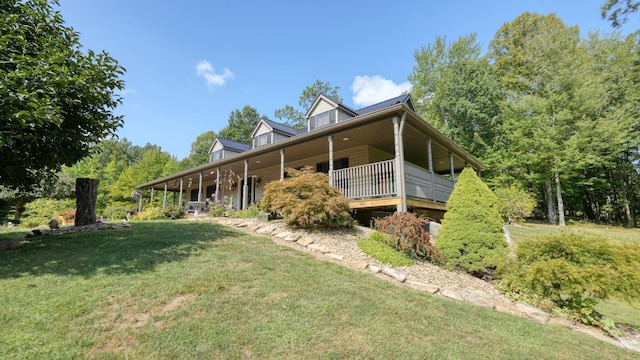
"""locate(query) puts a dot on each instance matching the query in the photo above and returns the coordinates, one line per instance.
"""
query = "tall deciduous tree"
(199, 154)
(295, 117)
(241, 125)
(617, 11)
(456, 92)
(56, 102)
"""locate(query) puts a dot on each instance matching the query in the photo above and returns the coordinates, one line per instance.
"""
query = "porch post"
(396, 142)
(181, 187)
(164, 200)
(217, 185)
(151, 191)
(281, 164)
(245, 187)
(430, 154)
(453, 171)
(200, 187)
(402, 172)
(331, 160)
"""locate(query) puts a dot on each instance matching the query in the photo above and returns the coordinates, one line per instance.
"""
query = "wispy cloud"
(124, 92)
(368, 90)
(208, 72)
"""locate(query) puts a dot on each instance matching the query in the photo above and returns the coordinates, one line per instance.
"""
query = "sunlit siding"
(262, 129)
(322, 107)
(342, 116)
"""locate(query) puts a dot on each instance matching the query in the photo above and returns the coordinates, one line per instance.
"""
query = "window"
(323, 119)
(262, 140)
(216, 155)
(337, 164)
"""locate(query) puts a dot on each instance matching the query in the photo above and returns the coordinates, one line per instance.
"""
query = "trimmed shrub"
(174, 212)
(471, 237)
(574, 273)
(151, 213)
(377, 246)
(408, 234)
(307, 200)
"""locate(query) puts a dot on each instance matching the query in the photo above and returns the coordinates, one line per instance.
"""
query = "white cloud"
(127, 92)
(368, 90)
(206, 70)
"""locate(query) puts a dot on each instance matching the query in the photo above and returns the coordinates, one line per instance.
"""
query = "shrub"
(307, 200)
(119, 211)
(408, 234)
(174, 212)
(151, 213)
(66, 216)
(377, 247)
(41, 211)
(574, 273)
(471, 237)
(514, 204)
(251, 212)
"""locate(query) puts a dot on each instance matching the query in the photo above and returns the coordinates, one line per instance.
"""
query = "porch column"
(151, 191)
(281, 164)
(396, 142)
(245, 187)
(430, 156)
(164, 200)
(181, 189)
(217, 185)
(200, 187)
(331, 160)
(453, 171)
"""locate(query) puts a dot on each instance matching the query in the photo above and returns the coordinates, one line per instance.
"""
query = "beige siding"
(376, 155)
(217, 146)
(279, 137)
(342, 116)
(321, 107)
(262, 129)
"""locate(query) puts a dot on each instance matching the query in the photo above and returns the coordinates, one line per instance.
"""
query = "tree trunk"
(551, 204)
(560, 202)
(86, 196)
(19, 210)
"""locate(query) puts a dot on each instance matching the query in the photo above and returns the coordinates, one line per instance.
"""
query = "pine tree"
(471, 237)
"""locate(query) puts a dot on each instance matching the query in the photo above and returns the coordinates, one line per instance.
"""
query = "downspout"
(399, 150)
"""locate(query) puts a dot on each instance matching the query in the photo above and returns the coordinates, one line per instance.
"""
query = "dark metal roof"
(280, 127)
(381, 105)
(234, 145)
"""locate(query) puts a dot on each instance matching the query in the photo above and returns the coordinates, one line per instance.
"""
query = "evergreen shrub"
(574, 273)
(306, 200)
(174, 212)
(471, 237)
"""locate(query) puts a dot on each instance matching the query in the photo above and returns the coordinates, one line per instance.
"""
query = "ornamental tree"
(56, 102)
(471, 237)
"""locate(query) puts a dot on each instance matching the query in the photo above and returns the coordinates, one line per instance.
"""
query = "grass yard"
(619, 310)
(203, 291)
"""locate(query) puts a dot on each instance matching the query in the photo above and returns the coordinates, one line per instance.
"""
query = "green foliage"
(251, 212)
(471, 237)
(575, 272)
(199, 154)
(57, 100)
(307, 200)
(377, 247)
(295, 117)
(617, 11)
(514, 204)
(241, 125)
(151, 213)
(407, 233)
(119, 210)
(41, 211)
(174, 212)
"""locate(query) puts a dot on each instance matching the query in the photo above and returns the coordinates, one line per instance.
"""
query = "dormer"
(325, 111)
(268, 132)
(225, 148)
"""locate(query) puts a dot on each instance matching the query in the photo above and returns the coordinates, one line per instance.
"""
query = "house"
(383, 158)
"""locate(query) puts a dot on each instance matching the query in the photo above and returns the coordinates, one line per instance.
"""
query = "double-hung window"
(322, 119)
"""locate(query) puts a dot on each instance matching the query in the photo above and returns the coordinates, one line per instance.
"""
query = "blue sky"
(191, 63)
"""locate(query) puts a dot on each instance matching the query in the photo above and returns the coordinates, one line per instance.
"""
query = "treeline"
(547, 110)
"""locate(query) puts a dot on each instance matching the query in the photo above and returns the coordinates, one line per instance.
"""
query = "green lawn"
(204, 291)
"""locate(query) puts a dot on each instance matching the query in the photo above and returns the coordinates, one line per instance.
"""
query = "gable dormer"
(325, 111)
(225, 148)
(268, 132)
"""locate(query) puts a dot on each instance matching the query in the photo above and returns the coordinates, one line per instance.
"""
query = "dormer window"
(216, 155)
(262, 140)
(322, 119)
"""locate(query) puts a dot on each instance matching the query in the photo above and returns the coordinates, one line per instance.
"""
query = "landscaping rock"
(396, 274)
(358, 264)
(533, 313)
(480, 299)
(318, 248)
(429, 288)
(630, 344)
(292, 237)
(375, 269)
(282, 235)
(336, 257)
(454, 295)
(304, 241)
(267, 229)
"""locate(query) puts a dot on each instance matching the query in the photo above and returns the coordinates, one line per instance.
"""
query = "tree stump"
(86, 196)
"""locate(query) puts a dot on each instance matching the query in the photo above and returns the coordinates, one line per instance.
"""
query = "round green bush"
(471, 237)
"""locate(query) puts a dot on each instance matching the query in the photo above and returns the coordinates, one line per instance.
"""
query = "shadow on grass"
(136, 249)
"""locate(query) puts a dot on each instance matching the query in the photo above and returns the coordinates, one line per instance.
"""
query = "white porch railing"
(379, 180)
(367, 181)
